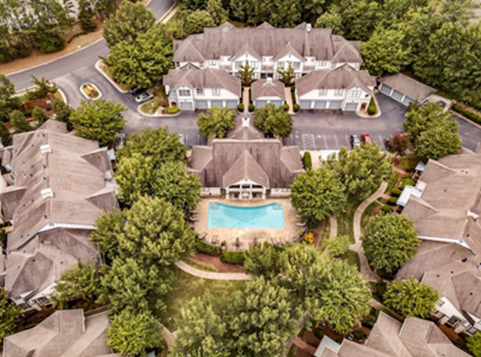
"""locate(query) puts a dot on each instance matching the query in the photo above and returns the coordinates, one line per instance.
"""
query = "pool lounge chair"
(301, 224)
(202, 235)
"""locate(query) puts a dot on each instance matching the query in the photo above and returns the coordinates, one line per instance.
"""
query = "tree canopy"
(411, 298)
(338, 245)
(131, 334)
(318, 194)
(100, 120)
(274, 121)
(216, 122)
(8, 102)
(389, 241)
(362, 170)
(261, 260)
(8, 314)
(197, 21)
(474, 344)
(19, 122)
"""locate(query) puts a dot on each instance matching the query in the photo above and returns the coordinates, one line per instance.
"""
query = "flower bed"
(90, 91)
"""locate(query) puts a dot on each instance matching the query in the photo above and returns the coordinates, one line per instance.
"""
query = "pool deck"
(288, 234)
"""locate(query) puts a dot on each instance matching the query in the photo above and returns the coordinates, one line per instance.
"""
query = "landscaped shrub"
(172, 110)
(233, 257)
(251, 107)
(387, 208)
(392, 201)
(369, 321)
(359, 334)
(296, 108)
(467, 114)
(381, 289)
(396, 192)
(371, 109)
(307, 160)
(407, 182)
(207, 248)
(284, 107)
(240, 107)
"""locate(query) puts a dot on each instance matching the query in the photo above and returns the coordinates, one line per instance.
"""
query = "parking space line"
(337, 143)
(325, 143)
(308, 142)
(383, 147)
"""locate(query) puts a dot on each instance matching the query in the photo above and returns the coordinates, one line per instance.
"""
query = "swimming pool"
(225, 216)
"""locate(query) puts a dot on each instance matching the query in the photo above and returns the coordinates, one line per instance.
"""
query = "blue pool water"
(225, 216)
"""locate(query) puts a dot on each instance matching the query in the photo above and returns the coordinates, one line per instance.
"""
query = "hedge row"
(207, 248)
(233, 257)
(467, 114)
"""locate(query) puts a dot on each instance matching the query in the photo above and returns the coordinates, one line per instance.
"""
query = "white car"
(144, 97)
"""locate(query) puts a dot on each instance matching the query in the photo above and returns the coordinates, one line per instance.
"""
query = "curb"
(168, 15)
(97, 67)
(85, 95)
(157, 115)
(64, 97)
(452, 112)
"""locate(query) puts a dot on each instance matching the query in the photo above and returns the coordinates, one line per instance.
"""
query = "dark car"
(355, 141)
(136, 90)
(366, 138)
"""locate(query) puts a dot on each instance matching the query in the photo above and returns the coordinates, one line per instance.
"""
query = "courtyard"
(242, 238)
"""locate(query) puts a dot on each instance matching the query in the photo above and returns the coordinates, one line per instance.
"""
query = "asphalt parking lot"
(329, 131)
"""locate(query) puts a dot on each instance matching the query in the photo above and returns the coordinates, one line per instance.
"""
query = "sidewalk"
(245, 100)
(357, 247)
(289, 100)
(209, 275)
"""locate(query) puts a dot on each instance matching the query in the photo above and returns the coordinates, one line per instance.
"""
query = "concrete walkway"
(289, 102)
(245, 99)
(357, 247)
(170, 337)
(209, 275)
(333, 232)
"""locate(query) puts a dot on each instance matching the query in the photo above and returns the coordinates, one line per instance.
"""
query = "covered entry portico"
(245, 190)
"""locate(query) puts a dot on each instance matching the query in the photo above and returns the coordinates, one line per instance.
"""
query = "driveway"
(329, 131)
(470, 133)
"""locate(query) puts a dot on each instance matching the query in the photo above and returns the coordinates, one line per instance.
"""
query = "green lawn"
(409, 163)
(202, 266)
(392, 181)
(345, 220)
(352, 258)
(367, 214)
(186, 287)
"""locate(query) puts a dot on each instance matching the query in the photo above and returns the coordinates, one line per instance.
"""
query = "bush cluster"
(407, 182)
(387, 208)
(240, 107)
(173, 110)
(371, 109)
(396, 192)
(307, 160)
(296, 108)
(284, 107)
(476, 118)
(392, 201)
(207, 248)
(233, 257)
(251, 107)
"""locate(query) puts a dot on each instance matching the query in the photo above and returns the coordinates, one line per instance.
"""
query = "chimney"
(308, 27)
(46, 193)
(45, 149)
(246, 122)
(269, 80)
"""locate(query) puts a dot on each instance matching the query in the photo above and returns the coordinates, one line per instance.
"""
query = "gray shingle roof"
(265, 40)
(246, 168)
(268, 88)
(408, 86)
(193, 77)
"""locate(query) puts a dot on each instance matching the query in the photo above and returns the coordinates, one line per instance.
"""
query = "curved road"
(79, 59)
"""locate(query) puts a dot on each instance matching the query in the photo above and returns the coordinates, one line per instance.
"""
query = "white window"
(296, 65)
(215, 91)
(358, 65)
(281, 64)
(238, 64)
(322, 92)
(213, 62)
(176, 64)
(200, 91)
(254, 64)
(201, 64)
(184, 92)
(356, 93)
(265, 59)
(172, 88)
(338, 92)
(333, 65)
(322, 63)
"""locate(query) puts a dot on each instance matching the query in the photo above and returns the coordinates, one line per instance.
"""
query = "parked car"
(136, 90)
(144, 97)
(355, 141)
(366, 138)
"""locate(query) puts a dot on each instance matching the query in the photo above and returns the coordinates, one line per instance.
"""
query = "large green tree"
(108, 228)
(100, 120)
(261, 260)
(8, 314)
(246, 73)
(133, 334)
(61, 111)
(218, 14)
(159, 144)
(144, 61)
(80, 282)
(201, 328)
(318, 194)
(197, 21)
(474, 344)
(130, 21)
(19, 122)
(411, 298)
(389, 241)
(216, 122)
(261, 320)
(135, 286)
(362, 170)
(385, 52)
(274, 121)
(8, 102)
(331, 20)
(286, 75)
(155, 233)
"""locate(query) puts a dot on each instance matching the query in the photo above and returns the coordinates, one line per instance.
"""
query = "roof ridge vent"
(246, 122)
(46, 193)
(45, 149)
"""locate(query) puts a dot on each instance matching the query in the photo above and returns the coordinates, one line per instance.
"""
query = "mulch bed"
(215, 261)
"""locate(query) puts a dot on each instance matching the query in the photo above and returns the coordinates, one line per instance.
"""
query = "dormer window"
(200, 91)
(201, 64)
(215, 91)
(333, 65)
(322, 63)
(213, 62)
(338, 92)
(322, 92)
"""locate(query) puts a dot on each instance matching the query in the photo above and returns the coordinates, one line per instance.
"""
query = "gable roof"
(66, 333)
(268, 88)
(193, 77)
(265, 40)
(343, 77)
(246, 168)
(408, 86)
